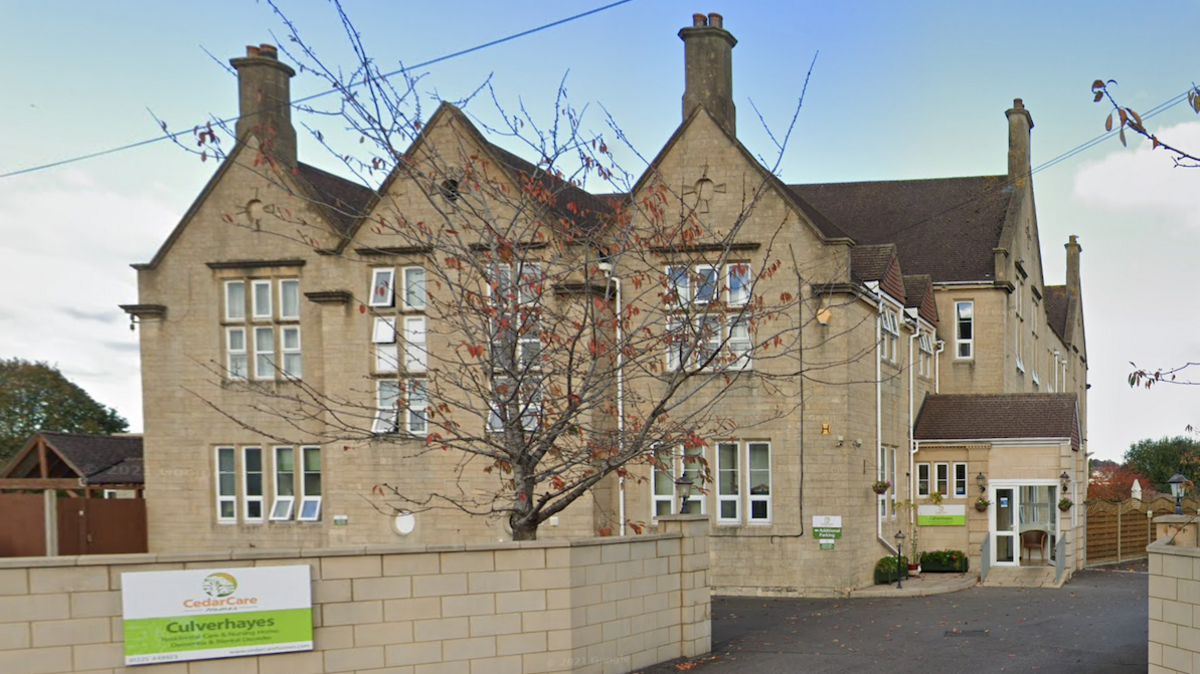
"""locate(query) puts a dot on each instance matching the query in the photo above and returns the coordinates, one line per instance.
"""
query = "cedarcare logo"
(220, 588)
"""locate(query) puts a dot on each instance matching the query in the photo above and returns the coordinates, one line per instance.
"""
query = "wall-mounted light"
(981, 482)
(1066, 481)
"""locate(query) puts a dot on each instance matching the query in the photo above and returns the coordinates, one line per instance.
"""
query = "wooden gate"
(22, 528)
(1120, 531)
(91, 526)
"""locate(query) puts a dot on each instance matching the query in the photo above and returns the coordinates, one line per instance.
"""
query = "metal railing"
(1060, 558)
(985, 558)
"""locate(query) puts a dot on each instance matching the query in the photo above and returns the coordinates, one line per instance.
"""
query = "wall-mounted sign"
(172, 616)
(942, 515)
(827, 527)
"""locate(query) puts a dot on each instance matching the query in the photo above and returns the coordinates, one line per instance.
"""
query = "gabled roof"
(341, 200)
(918, 293)
(946, 228)
(1056, 309)
(94, 459)
(569, 203)
(824, 225)
(999, 416)
(878, 263)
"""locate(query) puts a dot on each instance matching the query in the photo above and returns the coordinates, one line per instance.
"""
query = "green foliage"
(888, 564)
(887, 570)
(944, 560)
(37, 397)
(1158, 460)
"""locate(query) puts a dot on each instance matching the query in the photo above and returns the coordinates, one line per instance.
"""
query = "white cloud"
(1140, 220)
(66, 243)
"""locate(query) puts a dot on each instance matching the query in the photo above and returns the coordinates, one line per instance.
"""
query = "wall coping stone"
(243, 554)
(1162, 547)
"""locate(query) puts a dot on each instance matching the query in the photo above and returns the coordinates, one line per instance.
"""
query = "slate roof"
(918, 293)
(944, 227)
(118, 457)
(585, 210)
(871, 263)
(1056, 309)
(344, 201)
(995, 416)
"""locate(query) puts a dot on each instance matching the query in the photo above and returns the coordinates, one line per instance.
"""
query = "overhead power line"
(440, 59)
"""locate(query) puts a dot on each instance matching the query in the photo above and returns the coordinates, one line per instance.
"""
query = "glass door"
(1004, 526)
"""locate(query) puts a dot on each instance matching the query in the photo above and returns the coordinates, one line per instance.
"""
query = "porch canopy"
(76, 463)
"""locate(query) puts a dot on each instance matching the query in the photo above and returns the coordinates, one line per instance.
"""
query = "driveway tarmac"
(1097, 623)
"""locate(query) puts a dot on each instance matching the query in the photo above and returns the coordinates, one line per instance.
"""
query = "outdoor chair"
(1034, 540)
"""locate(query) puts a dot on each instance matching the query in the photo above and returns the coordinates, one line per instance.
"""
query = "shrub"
(954, 561)
(887, 572)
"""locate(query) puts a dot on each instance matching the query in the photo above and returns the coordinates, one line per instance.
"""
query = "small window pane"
(310, 509)
(414, 288)
(760, 469)
(677, 284)
(227, 485)
(381, 287)
(228, 510)
(706, 285)
(262, 299)
(235, 300)
(739, 283)
(289, 299)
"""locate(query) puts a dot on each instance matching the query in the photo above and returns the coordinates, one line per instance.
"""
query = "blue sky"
(900, 90)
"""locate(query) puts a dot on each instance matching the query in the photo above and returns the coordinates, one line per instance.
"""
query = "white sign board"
(172, 616)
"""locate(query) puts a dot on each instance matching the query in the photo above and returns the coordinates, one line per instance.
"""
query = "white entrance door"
(1004, 527)
(1023, 512)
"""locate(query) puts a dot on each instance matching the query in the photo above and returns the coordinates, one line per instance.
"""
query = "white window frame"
(925, 349)
(707, 278)
(289, 286)
(890, 322)
(959, 321)
(286, 501)
(230, 315)
(724, 466)
(758, 498)
(387, 417)
(676, 336)
(679, 283)
(891, 493)
(290, 352)
(941, 477)
(383, 289)
(387, 351)
(305, 497)
(222, 497)
(709, 345)
(249, 499)
(414, 412)
(261, 311)
(742, 271)
(960, 481)
(677, 463)
(927, 480)
(410, 283)
(416, 354)
(741, 347)
(232, 353)
(260, 352)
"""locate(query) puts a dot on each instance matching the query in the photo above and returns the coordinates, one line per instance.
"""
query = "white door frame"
(1015, 486)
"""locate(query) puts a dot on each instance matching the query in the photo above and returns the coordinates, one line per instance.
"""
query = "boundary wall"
(596, 606)
(1174, 596)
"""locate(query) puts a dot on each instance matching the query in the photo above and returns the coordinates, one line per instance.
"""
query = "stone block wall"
(1174, 602)
(598, 606)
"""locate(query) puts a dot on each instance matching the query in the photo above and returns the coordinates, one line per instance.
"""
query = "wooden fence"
(1120, 531)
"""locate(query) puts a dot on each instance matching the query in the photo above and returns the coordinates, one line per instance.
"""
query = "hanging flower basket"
(982, 504)
(881, 487)
(1065, 504)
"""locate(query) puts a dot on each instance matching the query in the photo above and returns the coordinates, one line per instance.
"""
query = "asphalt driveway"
(1097, 623)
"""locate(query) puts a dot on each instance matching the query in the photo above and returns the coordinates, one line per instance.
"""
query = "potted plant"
(944, 561)
(937, 497)
(981, 504)
(887, 571)
(881, 486)
(1064, 504)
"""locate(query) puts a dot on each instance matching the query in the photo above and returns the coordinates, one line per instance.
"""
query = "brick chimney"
(264, 102)
(708, 52)
(1073, 251)
(1019, 126)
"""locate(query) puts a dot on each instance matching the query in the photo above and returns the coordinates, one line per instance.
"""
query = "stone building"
(922, 347)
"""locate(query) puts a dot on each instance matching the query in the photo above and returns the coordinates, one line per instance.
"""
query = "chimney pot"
(251, 50)
(1018, 104)
(716, 20)
(268, 50)
(699, 20)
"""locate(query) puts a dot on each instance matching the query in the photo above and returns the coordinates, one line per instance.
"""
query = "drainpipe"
(911, 442)
(1057, 357)
(873, 286)
(607, 268)
(937, 366)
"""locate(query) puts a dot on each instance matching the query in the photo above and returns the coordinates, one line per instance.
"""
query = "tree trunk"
(524, 532)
